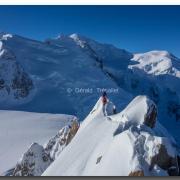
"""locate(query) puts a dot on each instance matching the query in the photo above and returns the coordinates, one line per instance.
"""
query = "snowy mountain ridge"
(120, 145)
(134, 136)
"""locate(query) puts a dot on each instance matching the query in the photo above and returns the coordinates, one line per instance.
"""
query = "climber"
(104, 101)
(104, 98)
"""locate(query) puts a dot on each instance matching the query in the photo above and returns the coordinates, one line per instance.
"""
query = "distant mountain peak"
(74, 35)
(78, 40)
(5, 36)
(156, 63)
(60, 36)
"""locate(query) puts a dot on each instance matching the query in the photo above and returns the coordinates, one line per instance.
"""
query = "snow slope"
(116, 145)
(55, 66)
(20, 129)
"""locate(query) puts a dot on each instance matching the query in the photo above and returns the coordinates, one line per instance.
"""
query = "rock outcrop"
(37, 158)
(21, 83)
(151, 116)
(61, 140)
(34, 162)
(137, 173)
(165, 161)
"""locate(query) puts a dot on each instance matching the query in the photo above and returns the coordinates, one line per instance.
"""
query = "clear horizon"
(137, 29)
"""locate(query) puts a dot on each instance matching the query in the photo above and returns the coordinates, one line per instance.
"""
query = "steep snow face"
(62, 72)
(20, 129)
(117, 145)
(112, 57)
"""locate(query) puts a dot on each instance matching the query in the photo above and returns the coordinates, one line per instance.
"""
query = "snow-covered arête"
(129, 143)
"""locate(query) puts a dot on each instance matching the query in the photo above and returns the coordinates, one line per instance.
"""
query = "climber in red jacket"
(104, 98)
(104, 101)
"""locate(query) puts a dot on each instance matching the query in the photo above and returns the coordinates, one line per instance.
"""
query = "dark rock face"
(150, 117)
(137, 173)
(165, 161)
(22, 84)
(13, 79)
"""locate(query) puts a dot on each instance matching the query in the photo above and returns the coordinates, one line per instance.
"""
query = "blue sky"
(134, 28)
